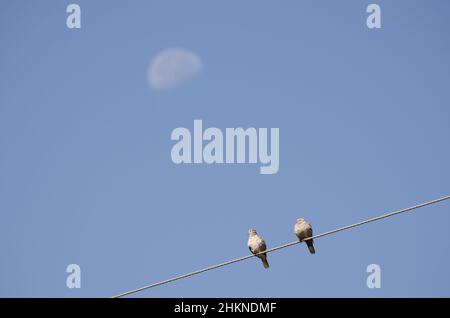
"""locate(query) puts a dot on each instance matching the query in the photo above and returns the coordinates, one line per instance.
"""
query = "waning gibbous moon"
(173, 66)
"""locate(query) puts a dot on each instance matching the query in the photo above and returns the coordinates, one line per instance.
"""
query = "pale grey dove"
(256, 245)
(304, 230)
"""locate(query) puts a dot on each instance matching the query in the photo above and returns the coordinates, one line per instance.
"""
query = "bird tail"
(264, 261)
(311, 247)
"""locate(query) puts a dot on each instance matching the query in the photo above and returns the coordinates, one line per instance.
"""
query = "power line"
(282, 246)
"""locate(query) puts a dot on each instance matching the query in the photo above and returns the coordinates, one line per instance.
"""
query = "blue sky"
(86, 175)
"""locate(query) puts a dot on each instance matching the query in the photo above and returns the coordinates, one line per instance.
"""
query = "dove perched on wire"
(257, 245)
(304, 230)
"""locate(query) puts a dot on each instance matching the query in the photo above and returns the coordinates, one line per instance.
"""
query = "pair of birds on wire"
(256, 244)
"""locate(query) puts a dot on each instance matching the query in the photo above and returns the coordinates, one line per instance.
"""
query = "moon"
(172, 67)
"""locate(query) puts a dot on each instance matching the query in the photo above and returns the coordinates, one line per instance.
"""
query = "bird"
(304, 230)
(257, 245)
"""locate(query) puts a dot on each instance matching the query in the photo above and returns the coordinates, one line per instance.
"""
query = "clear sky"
(86, 175)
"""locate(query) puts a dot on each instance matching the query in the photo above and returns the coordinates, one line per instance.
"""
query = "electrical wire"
(282, 246)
